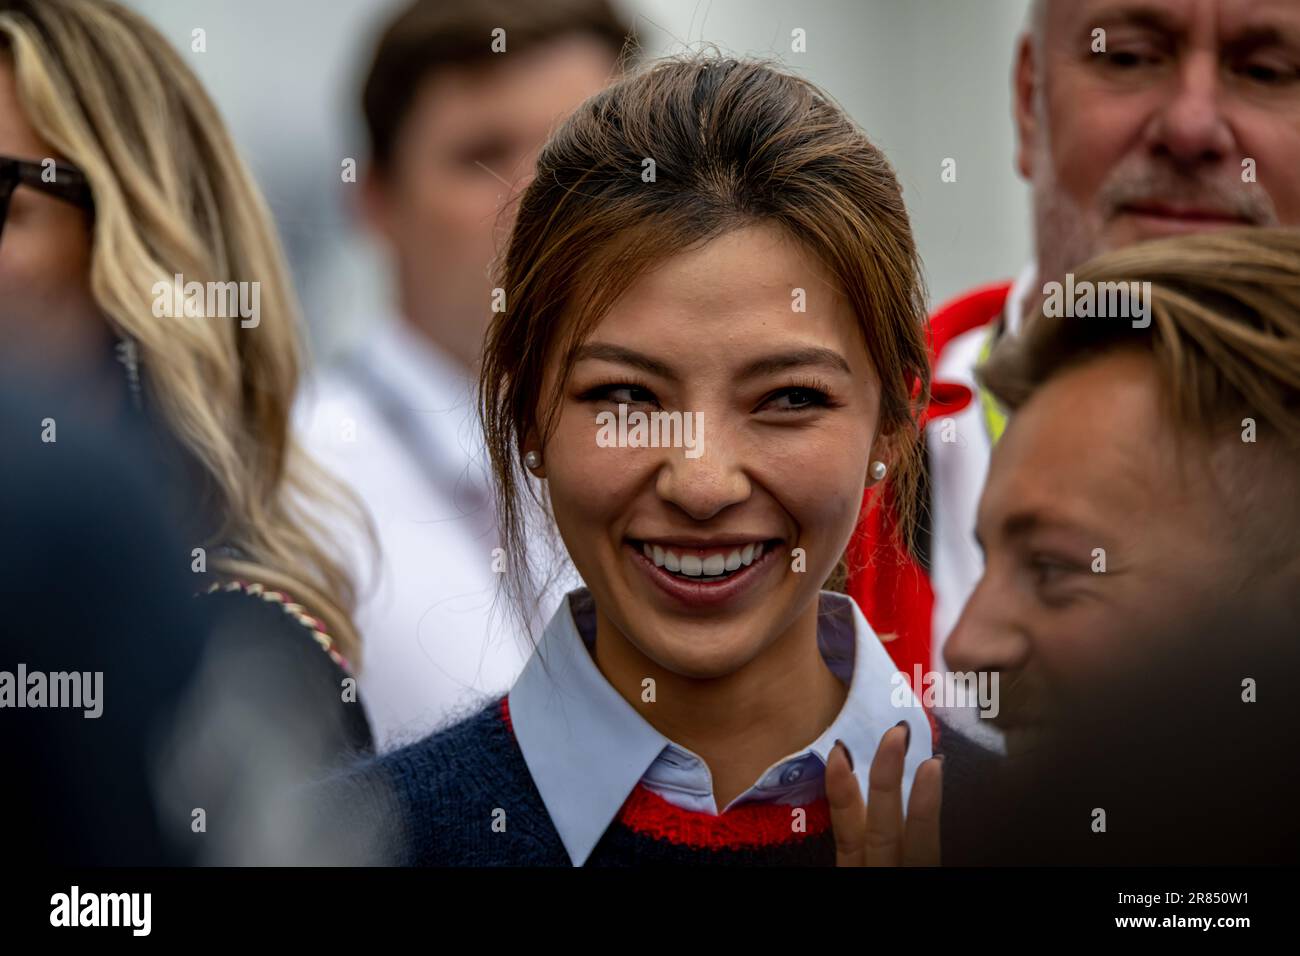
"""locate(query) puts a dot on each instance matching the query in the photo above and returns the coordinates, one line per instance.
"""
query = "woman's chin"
(698, 653)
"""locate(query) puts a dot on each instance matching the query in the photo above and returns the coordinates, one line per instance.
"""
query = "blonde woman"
(138, 259)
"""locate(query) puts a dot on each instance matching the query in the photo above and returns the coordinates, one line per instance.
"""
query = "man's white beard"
(1066, 235)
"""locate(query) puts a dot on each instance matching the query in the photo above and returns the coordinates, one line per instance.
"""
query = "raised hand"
(876, 833)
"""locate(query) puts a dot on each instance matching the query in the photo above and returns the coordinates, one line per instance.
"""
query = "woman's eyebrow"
(625, 356)
(811, 355)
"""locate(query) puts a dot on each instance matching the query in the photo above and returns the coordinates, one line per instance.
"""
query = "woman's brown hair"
(733, 143)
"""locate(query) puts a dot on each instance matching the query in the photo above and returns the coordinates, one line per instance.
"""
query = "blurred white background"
(927, 79)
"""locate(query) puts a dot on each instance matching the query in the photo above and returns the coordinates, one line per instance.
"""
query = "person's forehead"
(756, 260)
(1226, 17)
(529, 91)
(1091, 444)
(737, 285)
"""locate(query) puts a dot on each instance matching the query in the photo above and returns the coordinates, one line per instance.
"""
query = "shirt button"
(791, 775)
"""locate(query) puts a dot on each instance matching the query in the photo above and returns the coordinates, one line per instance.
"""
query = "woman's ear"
(881, 459)
(530, 451)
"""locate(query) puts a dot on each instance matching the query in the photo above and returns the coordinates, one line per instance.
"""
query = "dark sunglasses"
(60, 181)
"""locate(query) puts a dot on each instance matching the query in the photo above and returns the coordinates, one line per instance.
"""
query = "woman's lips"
(695, 593)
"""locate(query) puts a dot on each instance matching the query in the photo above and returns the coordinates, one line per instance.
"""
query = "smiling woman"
(685, 706)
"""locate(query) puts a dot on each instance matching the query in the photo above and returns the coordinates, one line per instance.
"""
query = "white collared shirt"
(958, 471)
(587, 748)
(397, 422)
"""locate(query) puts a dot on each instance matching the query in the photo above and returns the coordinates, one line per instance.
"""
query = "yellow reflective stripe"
(995, 419)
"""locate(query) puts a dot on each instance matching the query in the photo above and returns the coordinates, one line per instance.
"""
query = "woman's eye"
(797, 399)
(621, 395)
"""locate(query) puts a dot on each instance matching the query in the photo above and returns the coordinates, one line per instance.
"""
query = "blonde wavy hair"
(172, 197)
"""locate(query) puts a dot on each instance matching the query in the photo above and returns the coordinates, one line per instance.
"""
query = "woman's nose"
(706, 485)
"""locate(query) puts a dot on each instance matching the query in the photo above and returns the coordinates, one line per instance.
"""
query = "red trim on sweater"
(751, 825)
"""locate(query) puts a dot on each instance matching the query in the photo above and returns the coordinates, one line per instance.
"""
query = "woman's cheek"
(820, 484)
(590, 487)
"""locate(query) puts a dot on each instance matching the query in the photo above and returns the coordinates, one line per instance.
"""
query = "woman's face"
(47, 313)
(751, 336)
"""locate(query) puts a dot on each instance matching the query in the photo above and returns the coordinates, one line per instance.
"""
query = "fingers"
(884, 836)
(921, 837)
(848, 812)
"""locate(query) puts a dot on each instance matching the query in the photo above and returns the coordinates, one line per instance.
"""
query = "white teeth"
(717, 565)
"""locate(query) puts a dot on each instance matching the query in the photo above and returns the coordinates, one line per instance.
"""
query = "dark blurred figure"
(1187, 757)
(90, 582)
(194, 718)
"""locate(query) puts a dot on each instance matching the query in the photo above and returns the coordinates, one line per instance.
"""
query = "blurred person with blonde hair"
(139, 269)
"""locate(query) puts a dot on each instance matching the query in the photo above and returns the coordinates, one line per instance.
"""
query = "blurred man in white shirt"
(460, 96)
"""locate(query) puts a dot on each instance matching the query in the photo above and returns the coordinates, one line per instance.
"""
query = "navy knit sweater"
(464, 797)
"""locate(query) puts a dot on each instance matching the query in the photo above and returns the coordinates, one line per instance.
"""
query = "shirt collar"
(587, 748)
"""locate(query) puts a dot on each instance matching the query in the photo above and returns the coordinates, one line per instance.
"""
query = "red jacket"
(890, 586)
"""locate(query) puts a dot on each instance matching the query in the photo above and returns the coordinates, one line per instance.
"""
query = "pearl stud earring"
(878, 470)
(532, 460)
